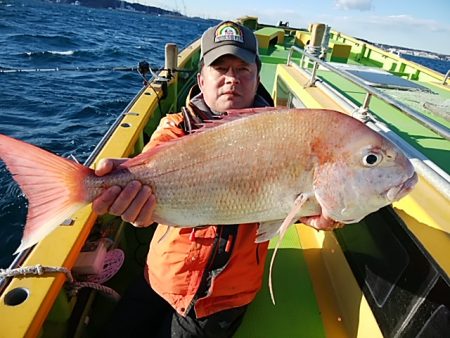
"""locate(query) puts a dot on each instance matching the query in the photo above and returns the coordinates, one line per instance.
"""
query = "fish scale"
(221, 178)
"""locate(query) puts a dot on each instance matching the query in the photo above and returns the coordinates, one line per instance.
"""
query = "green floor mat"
(296, 313)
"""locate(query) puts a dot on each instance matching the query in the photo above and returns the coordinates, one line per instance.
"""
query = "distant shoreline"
(138, 8)
(119, 5)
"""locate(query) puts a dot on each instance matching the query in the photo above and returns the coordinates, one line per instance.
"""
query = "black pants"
(143, 313)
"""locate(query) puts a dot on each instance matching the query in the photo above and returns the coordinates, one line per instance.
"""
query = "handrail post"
(366, 102)
(446, 77)
(361, 113)
(313, 79)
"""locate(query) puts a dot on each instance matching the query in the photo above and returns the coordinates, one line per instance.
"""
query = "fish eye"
(372, 159)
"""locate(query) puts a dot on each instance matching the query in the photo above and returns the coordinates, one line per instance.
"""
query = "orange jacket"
(179, 261)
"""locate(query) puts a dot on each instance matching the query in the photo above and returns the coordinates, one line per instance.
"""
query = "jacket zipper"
(210, 261)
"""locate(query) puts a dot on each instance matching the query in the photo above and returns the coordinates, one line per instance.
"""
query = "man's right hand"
(135, 203)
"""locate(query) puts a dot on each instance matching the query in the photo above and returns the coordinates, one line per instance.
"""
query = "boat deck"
(294, 296)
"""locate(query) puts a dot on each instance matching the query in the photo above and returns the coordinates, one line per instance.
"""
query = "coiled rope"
(73, 286)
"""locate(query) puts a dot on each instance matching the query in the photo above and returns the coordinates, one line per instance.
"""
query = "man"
(198, 281)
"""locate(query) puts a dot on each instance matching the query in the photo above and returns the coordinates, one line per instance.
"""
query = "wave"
(53, 40)
(86, 54)
(67, 52)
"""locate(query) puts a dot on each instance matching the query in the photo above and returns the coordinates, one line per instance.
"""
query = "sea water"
(67, 112)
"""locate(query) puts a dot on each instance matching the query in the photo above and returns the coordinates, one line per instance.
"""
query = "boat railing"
(436, 176)
(434, 126)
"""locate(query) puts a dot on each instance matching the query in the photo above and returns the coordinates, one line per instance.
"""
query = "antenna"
(184, 8)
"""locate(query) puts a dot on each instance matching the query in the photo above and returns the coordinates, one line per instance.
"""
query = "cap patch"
(228, 32)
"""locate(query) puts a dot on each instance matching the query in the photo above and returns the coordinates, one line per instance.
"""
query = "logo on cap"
(228, 32)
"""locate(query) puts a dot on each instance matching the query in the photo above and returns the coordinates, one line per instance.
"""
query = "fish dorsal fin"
(144, 157)
(290, 219)
(232, 115)
(248, 111)
(139, 159)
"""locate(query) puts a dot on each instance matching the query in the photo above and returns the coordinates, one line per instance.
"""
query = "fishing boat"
(387, 276)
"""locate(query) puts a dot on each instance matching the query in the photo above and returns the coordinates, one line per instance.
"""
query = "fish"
(273, 166)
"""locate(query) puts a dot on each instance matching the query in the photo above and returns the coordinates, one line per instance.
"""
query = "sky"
(417, 24)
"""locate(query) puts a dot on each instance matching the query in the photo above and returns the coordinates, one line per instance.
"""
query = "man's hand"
(135, 203)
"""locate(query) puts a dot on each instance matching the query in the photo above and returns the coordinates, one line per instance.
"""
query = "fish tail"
(53, 186)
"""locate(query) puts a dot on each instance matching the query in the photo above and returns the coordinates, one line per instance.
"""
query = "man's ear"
(258, 81)
(200, 80)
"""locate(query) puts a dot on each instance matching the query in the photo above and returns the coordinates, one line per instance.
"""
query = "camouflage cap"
(228, 38)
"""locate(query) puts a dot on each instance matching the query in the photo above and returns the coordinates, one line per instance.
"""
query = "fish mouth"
(401, 190)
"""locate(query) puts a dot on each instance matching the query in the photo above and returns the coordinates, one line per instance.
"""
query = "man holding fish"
(208, 275)
(249, 172)
(202, 279)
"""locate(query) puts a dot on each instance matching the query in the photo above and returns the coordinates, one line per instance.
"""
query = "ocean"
(68, 111)
(441, 66)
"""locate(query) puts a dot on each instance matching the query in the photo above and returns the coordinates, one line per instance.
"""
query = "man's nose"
(231, 75)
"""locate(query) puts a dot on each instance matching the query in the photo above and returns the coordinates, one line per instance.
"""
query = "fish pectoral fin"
(320, 222)
(290, 219)
(268, 230)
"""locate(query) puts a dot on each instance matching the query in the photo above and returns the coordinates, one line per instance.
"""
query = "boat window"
(285, 97)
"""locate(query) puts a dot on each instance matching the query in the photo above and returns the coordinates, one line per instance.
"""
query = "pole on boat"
(315, 42)
(325, 42)
(171, 58)
(315, 47)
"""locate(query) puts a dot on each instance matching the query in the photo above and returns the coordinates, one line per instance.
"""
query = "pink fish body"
(249, 169)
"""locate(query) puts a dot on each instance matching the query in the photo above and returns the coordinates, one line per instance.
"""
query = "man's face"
(228, 83)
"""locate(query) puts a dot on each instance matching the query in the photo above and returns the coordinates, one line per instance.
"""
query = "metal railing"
(434, 126)
(435, 175)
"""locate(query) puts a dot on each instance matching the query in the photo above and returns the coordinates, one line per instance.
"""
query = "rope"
(73, 286)
(36, 270)
(314, 50)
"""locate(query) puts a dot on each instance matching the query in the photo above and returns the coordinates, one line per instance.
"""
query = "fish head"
(365, 173)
